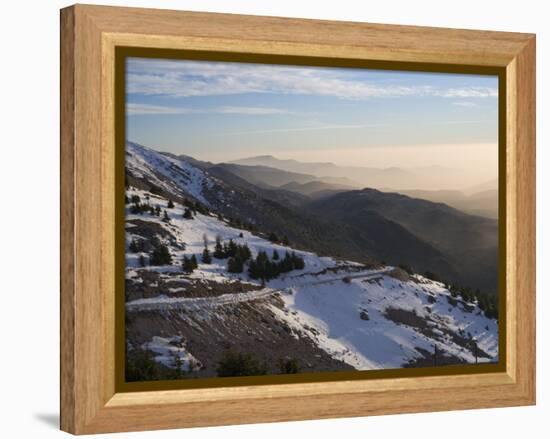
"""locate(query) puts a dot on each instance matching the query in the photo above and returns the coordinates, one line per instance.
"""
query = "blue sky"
(224, 111)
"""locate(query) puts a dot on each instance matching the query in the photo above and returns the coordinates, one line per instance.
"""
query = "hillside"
(468, 244)
(315, 189)
(300, 312)
(483, 203)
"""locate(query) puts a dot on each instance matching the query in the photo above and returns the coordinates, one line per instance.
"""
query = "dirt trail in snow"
(204, 303)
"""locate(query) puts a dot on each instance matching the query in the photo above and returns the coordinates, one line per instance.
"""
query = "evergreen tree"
(244, 252)
(194, 262)
(218, 249)
(170, 204)
(235, 364)
(206, 258)
(166, 218)
(188, 265)
(286, 263)
(135, 199)
(157, 211)
(297, 262)
(289, 366)
(254, 269)
(142, 262)
(187, 214)
(273, 237)
(232, 249)
(275, 256)
(160, 256)
(235, 265)
(133, 247)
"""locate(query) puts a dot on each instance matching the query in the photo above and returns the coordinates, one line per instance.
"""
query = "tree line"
(264, 268)
(488, 303)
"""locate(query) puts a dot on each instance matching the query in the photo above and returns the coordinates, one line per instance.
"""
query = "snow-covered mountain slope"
(174, 175)
(331, 315)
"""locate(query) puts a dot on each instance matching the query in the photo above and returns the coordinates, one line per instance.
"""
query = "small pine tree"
(160, 256)
(241, 235)
(218, 249)
(194, 262)
(273, 237)
(187, 214)
(244, 252)
(297, 262)
(170, 204)
(187, 264)
(234, 364)
(166, 218)
(157, 211)
(133, 247)
(275, 256)
(235, 265)
(206, 258)
(232, 249)
(135, 199)
(289, 366)
(142, 262)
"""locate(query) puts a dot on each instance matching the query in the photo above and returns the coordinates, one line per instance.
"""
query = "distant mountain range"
(483, 203)
(425, 177)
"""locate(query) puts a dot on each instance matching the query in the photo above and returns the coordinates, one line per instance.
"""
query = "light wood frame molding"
(89, 36)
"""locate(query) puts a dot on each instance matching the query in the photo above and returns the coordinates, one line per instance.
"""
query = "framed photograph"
(268, 219)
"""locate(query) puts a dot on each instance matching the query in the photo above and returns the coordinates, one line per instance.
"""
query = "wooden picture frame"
(91, 402)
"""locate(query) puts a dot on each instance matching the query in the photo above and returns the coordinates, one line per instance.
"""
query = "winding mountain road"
(204, 303)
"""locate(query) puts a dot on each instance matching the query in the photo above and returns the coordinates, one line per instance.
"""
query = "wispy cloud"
(465, 104)
(251, 110)
(133, 109)
(190, 78)
(298, 129)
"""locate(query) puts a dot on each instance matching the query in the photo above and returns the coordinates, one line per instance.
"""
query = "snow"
(333, 310)
(181, 175)
(167, 350)
(323, 301)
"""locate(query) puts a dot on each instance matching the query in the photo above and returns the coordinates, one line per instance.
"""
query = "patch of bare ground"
(147, 284)
(427, 325)
(348, 268)
(148, 229)
(246, 327)
(434, 358)
(399, 274)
